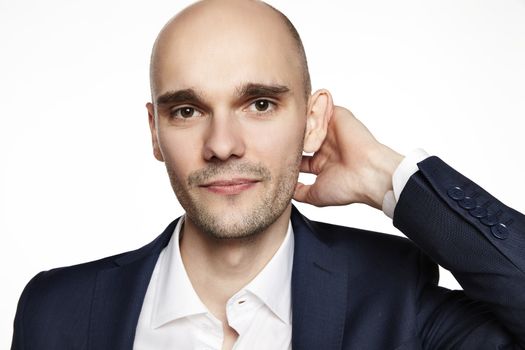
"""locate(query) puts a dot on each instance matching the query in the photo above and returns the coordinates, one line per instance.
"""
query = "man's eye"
(262, 105)
(185, 113)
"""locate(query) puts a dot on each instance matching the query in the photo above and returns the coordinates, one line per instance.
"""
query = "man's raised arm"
(450, 218)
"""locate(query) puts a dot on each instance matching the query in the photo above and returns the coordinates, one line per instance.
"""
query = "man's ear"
(153, 128)
(319, 111)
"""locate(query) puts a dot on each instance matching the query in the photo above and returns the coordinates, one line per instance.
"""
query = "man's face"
(230, 122)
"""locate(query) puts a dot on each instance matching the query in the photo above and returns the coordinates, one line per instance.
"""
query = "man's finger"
(302, 193)
(306, 165)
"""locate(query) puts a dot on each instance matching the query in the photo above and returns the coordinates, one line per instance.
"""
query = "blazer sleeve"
(482, 242)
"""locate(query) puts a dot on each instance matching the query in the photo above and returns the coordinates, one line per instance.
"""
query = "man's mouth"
(231, 186)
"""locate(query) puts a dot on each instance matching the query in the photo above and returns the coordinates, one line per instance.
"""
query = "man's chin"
(232, 221)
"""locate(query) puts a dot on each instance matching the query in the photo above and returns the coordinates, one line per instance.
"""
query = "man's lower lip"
(230, 189)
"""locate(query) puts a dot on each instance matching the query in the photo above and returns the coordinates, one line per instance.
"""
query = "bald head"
(212, 29)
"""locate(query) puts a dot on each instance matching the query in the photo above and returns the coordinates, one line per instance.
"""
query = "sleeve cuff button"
(456, 193)
(490, 220)
(479, 212)
(467, 203)
(500, 231)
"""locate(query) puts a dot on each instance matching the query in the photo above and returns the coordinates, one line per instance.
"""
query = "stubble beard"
(241, 224)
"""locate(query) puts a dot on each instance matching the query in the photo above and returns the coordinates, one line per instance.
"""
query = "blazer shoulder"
(377, 253)
(378, 242)
(74, 285)
(73, 275)
(85, 273)
(55, 300)
(62, 288)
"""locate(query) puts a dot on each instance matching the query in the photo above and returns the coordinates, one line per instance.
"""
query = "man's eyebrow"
(245, 91)
(179, 96)
(255, 90)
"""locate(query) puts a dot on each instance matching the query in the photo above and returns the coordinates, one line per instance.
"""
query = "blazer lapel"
(119, 294)
(319, 289)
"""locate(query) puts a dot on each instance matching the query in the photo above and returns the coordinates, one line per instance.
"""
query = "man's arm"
(444, 214)
(475, 236)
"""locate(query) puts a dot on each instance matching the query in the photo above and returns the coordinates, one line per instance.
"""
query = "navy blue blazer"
(351, 289)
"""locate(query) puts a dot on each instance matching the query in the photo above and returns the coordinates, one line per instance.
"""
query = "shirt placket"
(241, 310)
(208, 333)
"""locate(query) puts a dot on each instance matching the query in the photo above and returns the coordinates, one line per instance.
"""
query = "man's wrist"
(385, 162)
(402, 174)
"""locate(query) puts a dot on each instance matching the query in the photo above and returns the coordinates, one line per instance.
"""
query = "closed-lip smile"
(230, 186)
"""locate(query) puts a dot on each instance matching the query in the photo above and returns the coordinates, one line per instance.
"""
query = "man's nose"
(224, 138)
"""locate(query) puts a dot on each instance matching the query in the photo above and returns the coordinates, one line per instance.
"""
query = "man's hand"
(351, 166)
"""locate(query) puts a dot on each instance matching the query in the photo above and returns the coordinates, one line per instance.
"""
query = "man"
(231, 114)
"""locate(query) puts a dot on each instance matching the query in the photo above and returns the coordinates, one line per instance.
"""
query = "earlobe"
(153, 128)
(319, 111)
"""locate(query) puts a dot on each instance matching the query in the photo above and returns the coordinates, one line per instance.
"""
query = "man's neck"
(219, 268)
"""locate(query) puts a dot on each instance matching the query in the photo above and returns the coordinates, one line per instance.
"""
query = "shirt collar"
(175, 297)
(274, 283)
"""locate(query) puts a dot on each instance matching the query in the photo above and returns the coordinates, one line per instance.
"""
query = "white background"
(77, 177)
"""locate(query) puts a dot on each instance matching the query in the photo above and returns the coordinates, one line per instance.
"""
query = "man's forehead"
(224, 78)
(231, 44)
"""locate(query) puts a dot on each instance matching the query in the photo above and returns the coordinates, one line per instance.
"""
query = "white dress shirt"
(173, 316)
